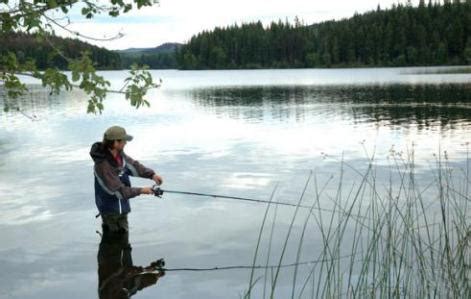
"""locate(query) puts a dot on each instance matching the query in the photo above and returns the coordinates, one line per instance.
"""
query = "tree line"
(52, 51)
(431, 33)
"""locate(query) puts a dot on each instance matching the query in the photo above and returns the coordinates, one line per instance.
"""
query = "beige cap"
(117, 133)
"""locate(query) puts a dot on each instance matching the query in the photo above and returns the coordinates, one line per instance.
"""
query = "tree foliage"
(429, 34)
(37, 17)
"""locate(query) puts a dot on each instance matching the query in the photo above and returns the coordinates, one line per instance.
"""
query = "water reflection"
(444, 106)
(118, 277)
(37, 97)
(243, 140)
(424, 106)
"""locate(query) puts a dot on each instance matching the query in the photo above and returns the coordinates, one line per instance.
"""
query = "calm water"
(227, 132)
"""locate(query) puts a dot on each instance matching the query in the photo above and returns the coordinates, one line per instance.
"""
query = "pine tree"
(403, 35)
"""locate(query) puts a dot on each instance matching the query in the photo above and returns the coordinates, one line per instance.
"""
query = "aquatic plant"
(395, 230)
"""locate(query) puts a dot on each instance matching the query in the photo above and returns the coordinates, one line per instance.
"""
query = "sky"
(179, 20)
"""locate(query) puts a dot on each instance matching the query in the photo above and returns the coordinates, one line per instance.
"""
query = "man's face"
(119, 144)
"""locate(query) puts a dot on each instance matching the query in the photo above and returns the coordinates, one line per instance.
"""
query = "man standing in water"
(112, 184)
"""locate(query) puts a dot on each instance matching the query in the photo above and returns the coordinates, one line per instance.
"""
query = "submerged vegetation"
(410, 237)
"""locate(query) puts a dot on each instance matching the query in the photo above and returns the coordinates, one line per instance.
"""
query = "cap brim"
(128, 137)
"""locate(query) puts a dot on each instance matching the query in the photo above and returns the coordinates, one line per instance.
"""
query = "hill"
(163, 48)
(161, 57)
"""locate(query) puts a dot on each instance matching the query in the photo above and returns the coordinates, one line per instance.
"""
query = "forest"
(432, 33)
(52, 51)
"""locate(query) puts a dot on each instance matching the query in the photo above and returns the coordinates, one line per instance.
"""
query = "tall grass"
(392, 231)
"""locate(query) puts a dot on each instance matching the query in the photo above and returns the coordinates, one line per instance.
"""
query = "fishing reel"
(158, 264)
(157, 191)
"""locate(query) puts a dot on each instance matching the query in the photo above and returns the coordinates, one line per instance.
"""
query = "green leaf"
(52, 3)
(127, 8)
(114, 13)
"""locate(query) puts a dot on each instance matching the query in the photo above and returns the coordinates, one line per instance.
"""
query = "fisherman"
(112, 184)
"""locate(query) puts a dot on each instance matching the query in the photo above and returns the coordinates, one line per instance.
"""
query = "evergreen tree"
(429, 34)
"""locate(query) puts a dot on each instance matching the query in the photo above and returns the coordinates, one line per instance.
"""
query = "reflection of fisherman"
(112, 185)
(117, 277)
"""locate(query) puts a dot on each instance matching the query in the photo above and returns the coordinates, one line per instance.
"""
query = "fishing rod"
(159, 192)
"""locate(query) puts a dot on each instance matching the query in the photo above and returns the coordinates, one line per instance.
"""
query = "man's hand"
(158, 179)
(146, 190)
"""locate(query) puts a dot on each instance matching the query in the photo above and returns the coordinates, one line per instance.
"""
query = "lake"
(236, 133)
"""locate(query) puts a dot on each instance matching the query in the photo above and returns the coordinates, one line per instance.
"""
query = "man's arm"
(111, 183)
(139, 170)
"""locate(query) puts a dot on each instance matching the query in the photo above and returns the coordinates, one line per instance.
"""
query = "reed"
(393, 230)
